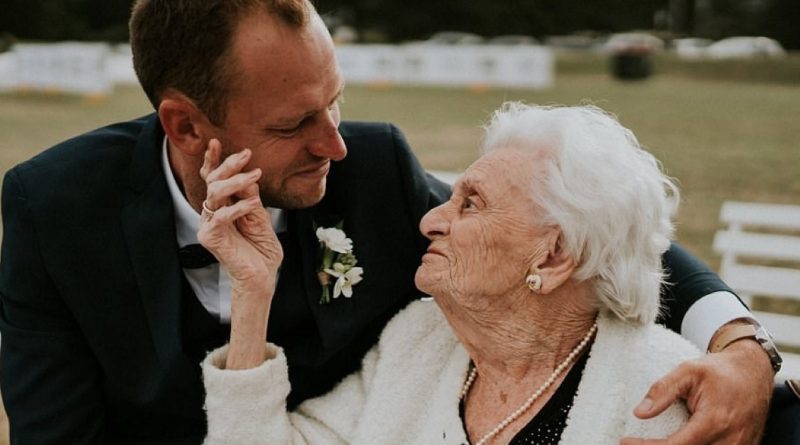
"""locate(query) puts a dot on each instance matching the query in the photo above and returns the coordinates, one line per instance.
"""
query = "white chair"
(770, 235)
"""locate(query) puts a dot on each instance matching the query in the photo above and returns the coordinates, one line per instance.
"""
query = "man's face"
(283, 106)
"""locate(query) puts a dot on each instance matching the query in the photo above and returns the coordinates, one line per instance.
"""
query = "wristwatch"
(749, 330)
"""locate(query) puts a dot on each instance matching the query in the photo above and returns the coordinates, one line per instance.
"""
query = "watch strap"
(730, 335)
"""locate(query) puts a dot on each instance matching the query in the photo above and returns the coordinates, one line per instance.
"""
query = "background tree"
(66, 19)
(417, 19)
(782, 22)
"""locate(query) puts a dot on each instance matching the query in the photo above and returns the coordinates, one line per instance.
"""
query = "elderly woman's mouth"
(434, 251)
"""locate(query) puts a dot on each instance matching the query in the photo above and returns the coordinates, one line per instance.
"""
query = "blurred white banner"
(524, 66)
(69, 67)
(94, 68)
(8, 71)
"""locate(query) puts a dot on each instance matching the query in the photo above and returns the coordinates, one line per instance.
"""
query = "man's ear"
(187, 128)
(557, 267)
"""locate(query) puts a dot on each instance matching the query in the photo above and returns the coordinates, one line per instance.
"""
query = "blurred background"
(711, 87)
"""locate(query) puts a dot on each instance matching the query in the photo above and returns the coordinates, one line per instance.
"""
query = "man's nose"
(328, 143)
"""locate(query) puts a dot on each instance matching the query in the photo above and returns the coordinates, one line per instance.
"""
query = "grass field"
(725, 130)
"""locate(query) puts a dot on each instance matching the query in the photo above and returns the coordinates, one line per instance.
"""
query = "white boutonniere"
(338, 262)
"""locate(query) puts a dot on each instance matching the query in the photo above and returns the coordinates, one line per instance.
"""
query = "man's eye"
(467, 204)
(287, 131)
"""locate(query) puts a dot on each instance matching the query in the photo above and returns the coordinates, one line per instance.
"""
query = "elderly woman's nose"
(434, 223)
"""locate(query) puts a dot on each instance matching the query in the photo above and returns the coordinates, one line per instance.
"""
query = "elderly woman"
(545, 267)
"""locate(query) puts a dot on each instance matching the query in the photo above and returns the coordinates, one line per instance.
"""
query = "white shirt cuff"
(710, 313)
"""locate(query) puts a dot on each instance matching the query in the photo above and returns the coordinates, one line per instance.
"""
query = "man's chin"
(294, 199)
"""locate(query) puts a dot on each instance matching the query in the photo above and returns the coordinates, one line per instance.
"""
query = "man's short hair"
(185, 45)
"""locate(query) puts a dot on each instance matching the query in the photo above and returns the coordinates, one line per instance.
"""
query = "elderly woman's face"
(484, 240)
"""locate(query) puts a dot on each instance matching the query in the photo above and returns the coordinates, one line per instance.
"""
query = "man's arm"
(727, 392)
(51, 382)
(689, 281)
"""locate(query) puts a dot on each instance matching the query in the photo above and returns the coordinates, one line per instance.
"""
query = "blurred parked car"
(454, 38)
(633, 42)
(630, 54)
(745, 47)
(691, 48)
(512, 40)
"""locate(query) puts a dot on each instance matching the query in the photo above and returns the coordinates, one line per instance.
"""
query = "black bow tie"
(195, 256)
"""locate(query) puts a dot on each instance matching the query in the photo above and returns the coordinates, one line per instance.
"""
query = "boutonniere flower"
(338, 262)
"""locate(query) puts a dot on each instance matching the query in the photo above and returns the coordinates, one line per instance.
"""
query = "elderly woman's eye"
(467, 204)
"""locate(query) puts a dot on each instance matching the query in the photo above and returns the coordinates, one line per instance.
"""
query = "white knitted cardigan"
(408, 389)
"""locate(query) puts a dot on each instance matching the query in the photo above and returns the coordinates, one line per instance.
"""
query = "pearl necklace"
(527, 404)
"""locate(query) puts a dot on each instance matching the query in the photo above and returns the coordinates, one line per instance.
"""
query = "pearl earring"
(534, 282)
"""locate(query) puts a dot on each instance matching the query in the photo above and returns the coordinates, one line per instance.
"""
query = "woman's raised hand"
(236, 228)
(234, 225)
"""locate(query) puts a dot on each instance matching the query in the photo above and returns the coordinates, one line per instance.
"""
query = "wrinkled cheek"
(463, 277)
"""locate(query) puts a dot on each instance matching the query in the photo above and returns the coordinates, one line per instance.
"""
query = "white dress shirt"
(210, 284)
(710, 313)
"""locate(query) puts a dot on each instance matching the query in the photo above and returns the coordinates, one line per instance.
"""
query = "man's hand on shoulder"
(727, 395)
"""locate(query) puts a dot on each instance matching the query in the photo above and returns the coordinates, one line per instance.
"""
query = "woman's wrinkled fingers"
(211, 158)
(222, 192)
(232, 165)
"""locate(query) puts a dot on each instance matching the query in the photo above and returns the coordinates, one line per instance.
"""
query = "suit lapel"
(148, 222)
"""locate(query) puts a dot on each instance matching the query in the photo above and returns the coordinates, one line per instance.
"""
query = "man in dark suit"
(107, 307)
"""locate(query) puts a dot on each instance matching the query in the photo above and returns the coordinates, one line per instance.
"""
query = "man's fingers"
(695, 432)
(667, 390)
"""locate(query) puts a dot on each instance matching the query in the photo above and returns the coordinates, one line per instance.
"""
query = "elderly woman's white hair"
(609, 197)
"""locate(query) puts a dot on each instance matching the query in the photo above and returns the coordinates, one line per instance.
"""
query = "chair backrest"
(761, 258)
